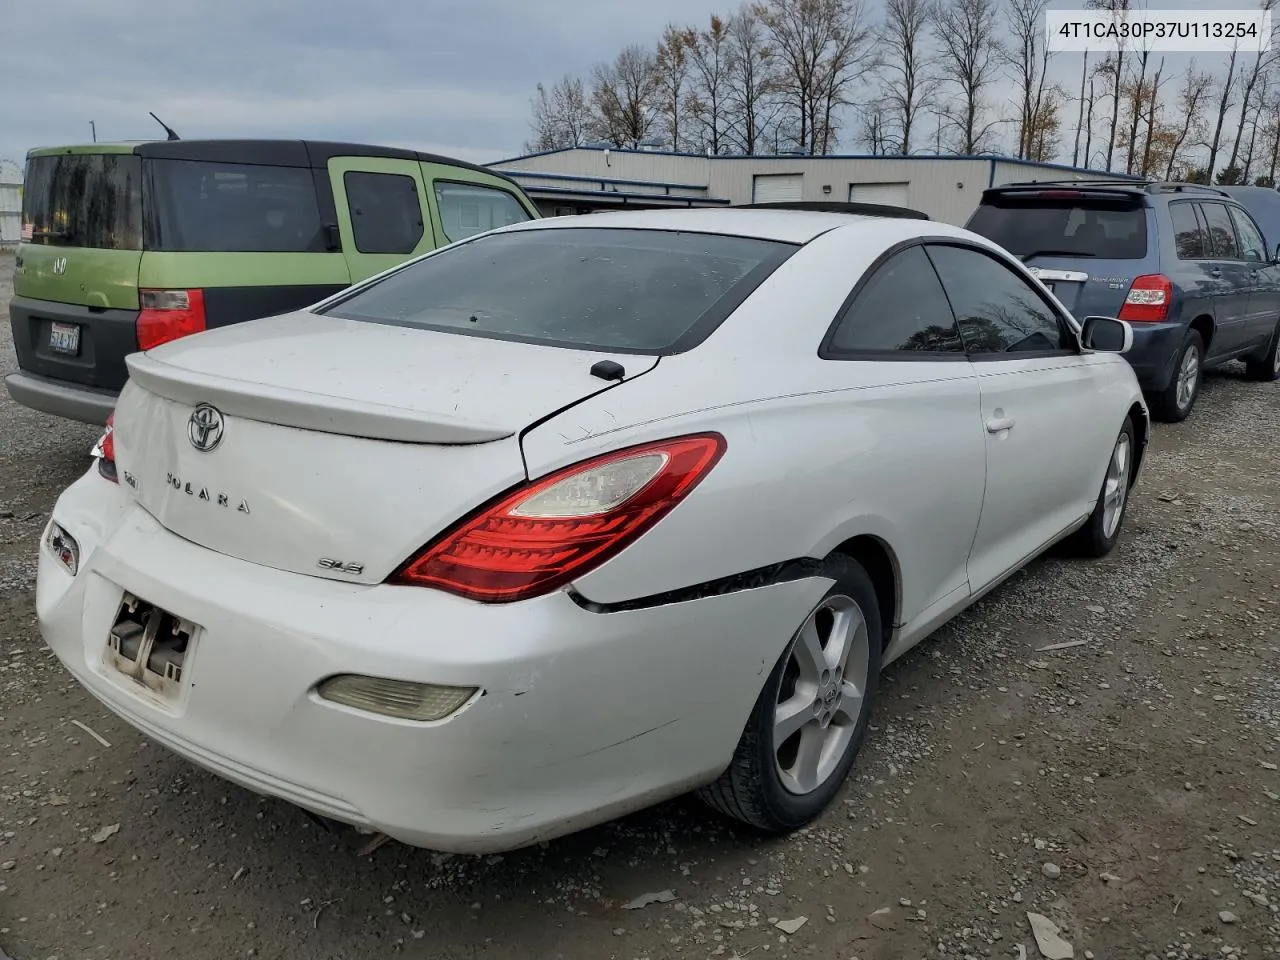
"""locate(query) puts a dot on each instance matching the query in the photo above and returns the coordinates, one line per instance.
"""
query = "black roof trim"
(294, 153)
(1133, 186)
(836, 206)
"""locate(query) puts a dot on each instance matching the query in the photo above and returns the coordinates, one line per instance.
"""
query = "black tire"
(1266, 368)
(751, 789)
(1093, 539)
(1164, 405)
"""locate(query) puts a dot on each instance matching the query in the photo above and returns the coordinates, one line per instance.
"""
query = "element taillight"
(168, 315)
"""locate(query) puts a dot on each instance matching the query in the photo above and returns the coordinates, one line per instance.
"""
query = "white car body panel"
(360, 442)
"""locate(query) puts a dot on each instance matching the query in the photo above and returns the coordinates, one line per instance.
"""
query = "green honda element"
(127, 246)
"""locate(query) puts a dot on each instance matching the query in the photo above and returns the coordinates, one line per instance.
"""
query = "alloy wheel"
(821, 694)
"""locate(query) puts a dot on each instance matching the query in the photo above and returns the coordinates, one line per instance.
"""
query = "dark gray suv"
(1185, 264)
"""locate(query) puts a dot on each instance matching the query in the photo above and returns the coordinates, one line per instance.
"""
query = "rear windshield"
(194, 205)
(83, 200)
(1034, 226)
(636, 291)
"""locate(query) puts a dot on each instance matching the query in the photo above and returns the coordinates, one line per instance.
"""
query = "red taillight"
(1056, 194)
(547, 532)
(1149, 299)
(105, 450)
(167, 315)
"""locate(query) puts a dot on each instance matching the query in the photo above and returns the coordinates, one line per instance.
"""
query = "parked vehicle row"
(1187, 266)
(127, 246)
(581, 513)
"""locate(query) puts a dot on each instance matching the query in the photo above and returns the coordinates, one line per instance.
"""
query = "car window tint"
(1252, 246)
(386, 216)
(997, 310)
(1045, 224)
(1222, 236)
(644, 291)
(901, 307)
(232, 207)
(84, 200)
(468, 208)
(1188, 238)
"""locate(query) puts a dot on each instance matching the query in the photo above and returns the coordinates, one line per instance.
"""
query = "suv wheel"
(1173, 404)
(1267, 367)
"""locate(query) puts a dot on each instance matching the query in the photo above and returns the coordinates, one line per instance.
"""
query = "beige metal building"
(10, 213)
(586, 179)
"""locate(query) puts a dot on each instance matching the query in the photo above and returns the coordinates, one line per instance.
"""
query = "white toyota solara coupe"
(582, 513)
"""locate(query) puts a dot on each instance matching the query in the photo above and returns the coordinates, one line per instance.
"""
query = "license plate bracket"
(150, 646)
(64, 338)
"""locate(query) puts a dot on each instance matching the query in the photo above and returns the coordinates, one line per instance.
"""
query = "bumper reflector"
(402, 699)
(64, 547)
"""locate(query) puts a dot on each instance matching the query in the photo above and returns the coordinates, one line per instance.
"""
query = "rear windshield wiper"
(1055, 253)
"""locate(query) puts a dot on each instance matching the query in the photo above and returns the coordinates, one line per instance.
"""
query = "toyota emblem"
(204, 429)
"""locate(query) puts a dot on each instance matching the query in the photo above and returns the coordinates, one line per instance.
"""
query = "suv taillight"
(1149, 299)
(167, 315)
(104, 451)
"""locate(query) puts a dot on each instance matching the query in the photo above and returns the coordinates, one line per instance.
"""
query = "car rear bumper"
(583, 716)
(1154, 353)
(61, 398)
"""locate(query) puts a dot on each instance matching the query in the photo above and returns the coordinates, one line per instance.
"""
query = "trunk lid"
(344, 446)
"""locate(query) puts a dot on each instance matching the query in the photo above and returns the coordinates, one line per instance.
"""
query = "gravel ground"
(1126, 787)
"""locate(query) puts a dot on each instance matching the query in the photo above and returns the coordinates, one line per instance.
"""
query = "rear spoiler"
(1056, 191)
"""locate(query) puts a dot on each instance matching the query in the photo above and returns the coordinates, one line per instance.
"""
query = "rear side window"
(233, 207)
(1222, 235)
(901, 308)
(998, 311)
(84, 200)
(639, 291)
(1065, 227)
(1188, 237)
(1252, 246)
(468, 208)
(386, 216)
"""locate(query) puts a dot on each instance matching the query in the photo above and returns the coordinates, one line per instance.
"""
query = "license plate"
(64, 338)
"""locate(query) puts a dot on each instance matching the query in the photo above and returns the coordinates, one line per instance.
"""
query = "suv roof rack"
(1179, 187)
(1148, 186)
(836, 206)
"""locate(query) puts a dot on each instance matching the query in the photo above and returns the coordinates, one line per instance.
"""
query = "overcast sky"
(452, 76)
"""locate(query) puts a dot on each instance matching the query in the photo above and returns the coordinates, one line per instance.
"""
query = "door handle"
(999, 424)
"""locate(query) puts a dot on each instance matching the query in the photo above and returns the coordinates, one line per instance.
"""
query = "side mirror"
(1106, 335)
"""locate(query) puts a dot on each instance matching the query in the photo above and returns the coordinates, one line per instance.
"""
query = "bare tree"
(1272, 132)
(969, 56)
(820, 44)
(1084, 76)
(1192, 97)
(1114, 67)
(1088, 122)
(1154, 133)
(750, 90)
(561, 116)
(1136, 94)
(1249, 82)
(671, 77)
(1224, 104)
(1027, 55)
(1260, 101)
(875, 128)
(711, 54)
(625, 94)
(907, 65)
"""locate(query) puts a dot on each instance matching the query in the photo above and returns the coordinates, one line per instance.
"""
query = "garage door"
(892, 194)
(777, 187)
